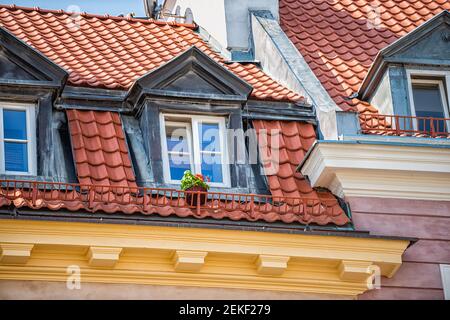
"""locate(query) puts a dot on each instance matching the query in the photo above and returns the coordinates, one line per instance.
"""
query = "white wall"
(238, 19)
(282, 61)
(228, 21)
(382, 98)
(209, 14)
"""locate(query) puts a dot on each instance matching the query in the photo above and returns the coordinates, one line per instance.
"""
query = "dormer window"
(195, 143)
(409, 83)
(17, 139)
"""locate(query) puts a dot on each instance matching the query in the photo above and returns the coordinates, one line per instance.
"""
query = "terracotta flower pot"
(192, 198)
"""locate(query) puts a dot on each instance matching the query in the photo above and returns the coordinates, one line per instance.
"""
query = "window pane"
(16, 157)
(15, 124)
(178, 165)
(212, 167)
(428, 103)
(176, 138)
(209, 135)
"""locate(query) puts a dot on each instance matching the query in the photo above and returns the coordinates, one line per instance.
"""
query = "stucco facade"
(419, 277)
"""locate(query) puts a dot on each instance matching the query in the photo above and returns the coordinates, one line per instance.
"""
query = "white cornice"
(380, 170)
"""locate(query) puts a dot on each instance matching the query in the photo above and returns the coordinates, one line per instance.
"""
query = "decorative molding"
(103, 257)
(174, 256)
(15, 253)
(390, 170)
(188, 261)
(354, 270)
(271, 265)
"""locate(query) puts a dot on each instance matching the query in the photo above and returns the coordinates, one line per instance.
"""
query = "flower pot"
(192, 198)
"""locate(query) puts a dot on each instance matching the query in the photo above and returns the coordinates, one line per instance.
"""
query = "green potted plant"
(192, 183)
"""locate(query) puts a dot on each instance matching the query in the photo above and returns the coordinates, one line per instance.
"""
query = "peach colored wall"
(57, 290)
(429, 221)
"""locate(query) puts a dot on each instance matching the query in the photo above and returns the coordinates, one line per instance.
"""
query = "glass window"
(15, 124)
(210, 151)
(209, 136)
(195, 143)
(16, 157)
(428, 103)
(178, 150)
(16, 139)
(212, 167)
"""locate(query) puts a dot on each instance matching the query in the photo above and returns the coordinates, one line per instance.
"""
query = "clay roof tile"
(360, 38)
(295, 139)
(112, 52)
(99, 148)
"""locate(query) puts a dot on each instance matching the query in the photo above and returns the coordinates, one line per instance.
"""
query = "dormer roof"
(428, 44)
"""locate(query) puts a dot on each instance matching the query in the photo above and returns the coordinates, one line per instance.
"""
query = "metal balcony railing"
(35, 193)
(404, 125)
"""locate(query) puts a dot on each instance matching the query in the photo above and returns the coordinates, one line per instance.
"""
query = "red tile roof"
(339, 42)
(112, 52)
(293, 140)
(99, 148)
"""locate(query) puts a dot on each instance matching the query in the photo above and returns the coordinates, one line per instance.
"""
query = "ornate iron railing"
(405, 125)
(146, 199)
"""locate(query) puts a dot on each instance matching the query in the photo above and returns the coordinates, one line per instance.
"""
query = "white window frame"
(166, 152)
(194, 145)
(30, 110)
(445, 96)
(445, 276)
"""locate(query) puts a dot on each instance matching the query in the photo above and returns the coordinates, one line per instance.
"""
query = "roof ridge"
(99, 16)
